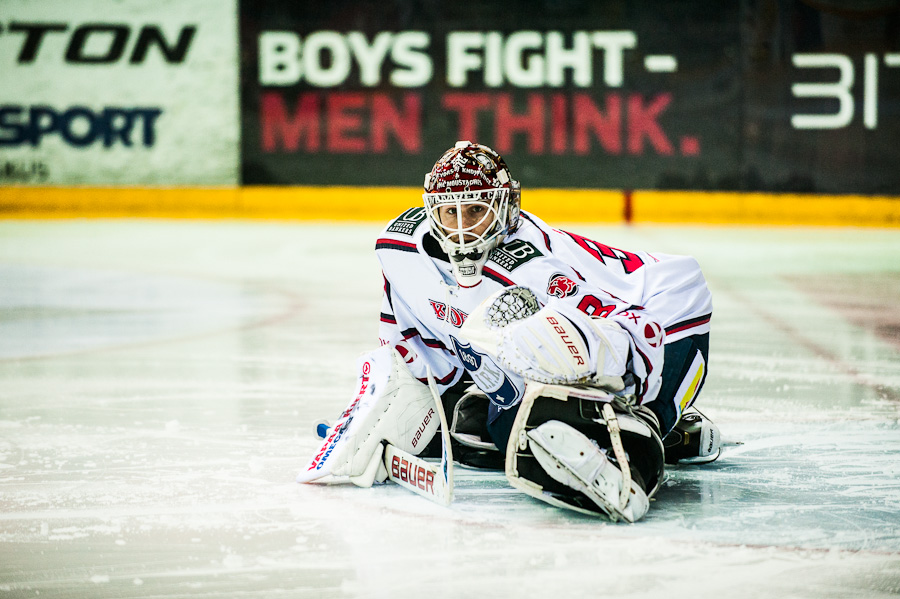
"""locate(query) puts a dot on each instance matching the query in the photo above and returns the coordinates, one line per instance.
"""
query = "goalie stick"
(432, 480)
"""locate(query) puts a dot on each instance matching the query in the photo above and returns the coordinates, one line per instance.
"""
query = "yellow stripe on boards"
(380, 204)
(377, 204)
(80, 202)
(574, 205)
(765, 209)
(292, 203)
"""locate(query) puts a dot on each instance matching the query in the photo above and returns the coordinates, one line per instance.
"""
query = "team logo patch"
(487, 375)
(456, 317)
(407, 222)
(561, 286)
(514, 254)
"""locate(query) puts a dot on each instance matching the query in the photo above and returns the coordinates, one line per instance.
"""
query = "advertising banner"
(618, 94)
(118, 92)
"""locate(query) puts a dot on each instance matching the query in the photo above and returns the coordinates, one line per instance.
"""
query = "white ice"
(159, 379)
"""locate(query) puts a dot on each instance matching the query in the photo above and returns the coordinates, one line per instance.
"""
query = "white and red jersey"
(656, 298)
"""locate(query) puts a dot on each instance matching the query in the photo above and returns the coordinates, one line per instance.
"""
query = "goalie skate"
(694, 440)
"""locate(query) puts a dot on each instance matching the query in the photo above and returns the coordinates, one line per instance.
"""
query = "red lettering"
(593, 306)
(556, 123)
(690, 145)
(576, 123)
(552, 320)
(439, 309)
(395, 467)
(429, 482)
(406, 126)
(276, 125)
(353, 123)
(589, 119)
(468, 106)
(345, 120)
(420, 478)
(457, 318)
(559, 124)
(507, 124)
(642, 122)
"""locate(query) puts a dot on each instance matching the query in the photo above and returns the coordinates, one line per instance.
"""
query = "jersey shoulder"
(408, 225)
(405, 245)
(527, 244)
(404, 233)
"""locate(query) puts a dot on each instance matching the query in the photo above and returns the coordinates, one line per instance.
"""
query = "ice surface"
(159, 380)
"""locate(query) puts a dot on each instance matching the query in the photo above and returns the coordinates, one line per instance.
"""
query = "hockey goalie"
(571, 365)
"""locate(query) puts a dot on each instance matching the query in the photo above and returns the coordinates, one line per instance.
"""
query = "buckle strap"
(615, 436)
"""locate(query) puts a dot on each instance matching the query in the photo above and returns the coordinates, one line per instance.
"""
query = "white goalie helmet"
(472, 204)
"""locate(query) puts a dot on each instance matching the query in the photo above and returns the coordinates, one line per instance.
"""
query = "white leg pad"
(572, 459)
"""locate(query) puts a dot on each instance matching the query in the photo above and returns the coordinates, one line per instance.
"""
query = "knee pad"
(582, 409)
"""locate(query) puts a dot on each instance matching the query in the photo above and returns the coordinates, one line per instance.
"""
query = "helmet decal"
(467, 167)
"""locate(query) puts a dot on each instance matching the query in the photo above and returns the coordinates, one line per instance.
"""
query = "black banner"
(771, 95)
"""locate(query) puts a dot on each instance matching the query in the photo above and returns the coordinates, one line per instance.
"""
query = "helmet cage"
(462, 241)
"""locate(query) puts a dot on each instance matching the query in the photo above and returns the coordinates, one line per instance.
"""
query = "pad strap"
(615, 437)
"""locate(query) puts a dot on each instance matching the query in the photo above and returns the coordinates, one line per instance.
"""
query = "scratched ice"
(158, 381)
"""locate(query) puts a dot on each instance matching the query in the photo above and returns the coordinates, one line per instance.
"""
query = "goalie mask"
(472, 204)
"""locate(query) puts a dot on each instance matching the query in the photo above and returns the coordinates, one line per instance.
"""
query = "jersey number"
(592, 306)
(630, 262)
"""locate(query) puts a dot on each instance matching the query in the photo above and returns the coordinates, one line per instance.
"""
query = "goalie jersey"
(656, 298)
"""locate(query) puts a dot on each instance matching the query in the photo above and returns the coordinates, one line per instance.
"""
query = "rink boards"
(376, 204)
